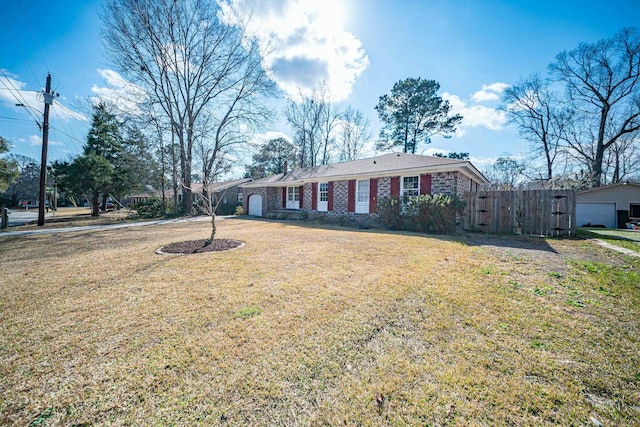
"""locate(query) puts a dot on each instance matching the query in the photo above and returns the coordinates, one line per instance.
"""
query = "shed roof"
(610, 186)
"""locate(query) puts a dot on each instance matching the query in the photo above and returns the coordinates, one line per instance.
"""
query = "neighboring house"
(613, 206)
(228, 191)
(352, 189)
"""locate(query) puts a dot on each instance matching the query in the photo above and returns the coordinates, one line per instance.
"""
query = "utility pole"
(48, 100)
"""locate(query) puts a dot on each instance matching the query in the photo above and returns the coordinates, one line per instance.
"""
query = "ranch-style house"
(352, 188)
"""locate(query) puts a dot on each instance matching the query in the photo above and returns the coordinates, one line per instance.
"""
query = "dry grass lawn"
(316, 326)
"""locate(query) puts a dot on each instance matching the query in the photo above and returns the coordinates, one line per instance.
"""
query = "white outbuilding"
(612, 206)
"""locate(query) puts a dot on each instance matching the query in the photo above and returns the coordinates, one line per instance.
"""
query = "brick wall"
(444, 183)
(340, 194)
(463, 184)
(274, 198)
(307, 196)
(384, 187)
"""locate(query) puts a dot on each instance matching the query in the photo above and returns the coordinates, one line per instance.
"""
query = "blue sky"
(474, 49)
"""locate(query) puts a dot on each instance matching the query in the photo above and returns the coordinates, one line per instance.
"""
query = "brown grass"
(316, 326)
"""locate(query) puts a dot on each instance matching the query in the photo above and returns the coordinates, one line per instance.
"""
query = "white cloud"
(489, 92)
(119, 92)
(303, 42)
(261, 138)
(483, 163)
(475, 115)
(36, 141)
(12, 92)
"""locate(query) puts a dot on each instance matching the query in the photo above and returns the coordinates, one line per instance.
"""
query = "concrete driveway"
(21, 216)
(104, 227)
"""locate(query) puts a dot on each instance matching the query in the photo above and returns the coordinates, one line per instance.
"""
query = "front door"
(293, 197)
(323, 197)
(362, 196)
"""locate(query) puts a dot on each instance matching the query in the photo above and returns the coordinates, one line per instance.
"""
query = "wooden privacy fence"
(534, 212)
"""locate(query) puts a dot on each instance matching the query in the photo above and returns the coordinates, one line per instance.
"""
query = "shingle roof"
(386, 164)
(219, 186)
(605, 187)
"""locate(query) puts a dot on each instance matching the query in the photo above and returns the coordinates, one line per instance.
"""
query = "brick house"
(351, 189)
(228, 191)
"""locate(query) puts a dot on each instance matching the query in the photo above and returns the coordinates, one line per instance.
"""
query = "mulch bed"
(199, 246)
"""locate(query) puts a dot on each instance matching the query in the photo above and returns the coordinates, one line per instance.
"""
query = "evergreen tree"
(8, 168)
(271, 158)
(412, 114)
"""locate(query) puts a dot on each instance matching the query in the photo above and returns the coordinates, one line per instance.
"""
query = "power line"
(18, 97)
(15, 119)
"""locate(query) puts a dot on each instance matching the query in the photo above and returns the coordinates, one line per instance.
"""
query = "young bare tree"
(534, 109)
(328, 120)
(184, 57)
(602, 82)
(506, 174)
(354, 133)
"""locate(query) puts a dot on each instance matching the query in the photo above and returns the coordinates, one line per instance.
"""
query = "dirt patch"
(554, 252)
(200, 246)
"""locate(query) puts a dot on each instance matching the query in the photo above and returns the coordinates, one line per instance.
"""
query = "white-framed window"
(323, 192)
(240, 197)
(293, 194)
(410, 187)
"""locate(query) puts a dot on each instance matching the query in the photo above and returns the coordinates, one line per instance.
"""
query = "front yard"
(316, 326)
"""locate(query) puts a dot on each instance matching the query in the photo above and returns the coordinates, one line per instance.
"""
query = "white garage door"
(255, 205)
(596, 214)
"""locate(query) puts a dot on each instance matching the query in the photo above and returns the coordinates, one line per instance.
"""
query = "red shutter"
(330, 196)
(373, 194)
(301, 196)
(351, 196)
(284, 197)
(395, 187)
(314, 196)
(425, 184)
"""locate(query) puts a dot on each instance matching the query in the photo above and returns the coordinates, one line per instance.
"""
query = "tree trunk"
(213, 229)
(596, 169)
(95, 204)
(174, 175)
(162, 173)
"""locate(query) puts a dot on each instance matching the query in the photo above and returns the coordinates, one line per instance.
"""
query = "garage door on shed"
(596, 214)
(255, 205)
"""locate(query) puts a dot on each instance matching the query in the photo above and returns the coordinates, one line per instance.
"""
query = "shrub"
(239, 211)
(228, 208)
(389, 212)
(152, 208)
(433, 214)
